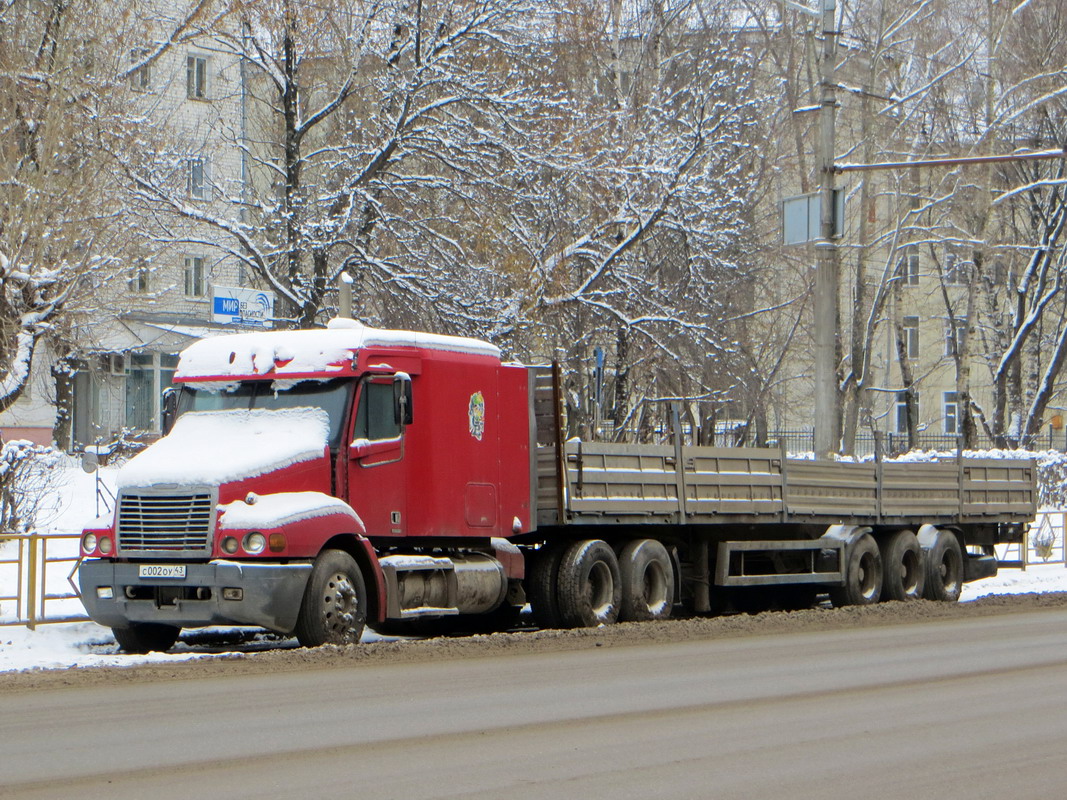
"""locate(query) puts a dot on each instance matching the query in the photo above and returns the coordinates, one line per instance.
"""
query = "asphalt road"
(972, 708)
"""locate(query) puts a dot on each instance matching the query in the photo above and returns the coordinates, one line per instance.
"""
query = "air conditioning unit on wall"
(115, 363)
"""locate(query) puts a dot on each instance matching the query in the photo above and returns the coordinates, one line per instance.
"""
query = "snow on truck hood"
(215, 447)
(308, 351)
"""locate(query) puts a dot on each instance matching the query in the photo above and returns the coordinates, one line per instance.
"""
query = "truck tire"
(542, 586)
(146, 637)
(590, 586)
(903, 567)
(334, 609)
(863, 574)
(944, 568)
(647, 581)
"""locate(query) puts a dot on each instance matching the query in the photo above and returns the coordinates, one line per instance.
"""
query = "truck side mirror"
(403, 413)
(169, 406)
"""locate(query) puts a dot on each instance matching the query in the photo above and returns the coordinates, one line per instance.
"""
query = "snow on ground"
(85, 644)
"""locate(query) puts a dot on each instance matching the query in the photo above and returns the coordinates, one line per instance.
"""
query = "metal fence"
(803, 441)
(1044, 543)
(45, 591)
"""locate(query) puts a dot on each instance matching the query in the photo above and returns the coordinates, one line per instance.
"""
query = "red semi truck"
(314, 482)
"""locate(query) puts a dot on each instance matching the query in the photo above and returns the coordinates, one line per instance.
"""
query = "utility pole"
(827, 265)
(827, 420)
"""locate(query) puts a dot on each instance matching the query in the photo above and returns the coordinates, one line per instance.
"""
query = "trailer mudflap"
(976, 567)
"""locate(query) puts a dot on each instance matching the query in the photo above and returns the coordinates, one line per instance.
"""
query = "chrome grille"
(167, 523)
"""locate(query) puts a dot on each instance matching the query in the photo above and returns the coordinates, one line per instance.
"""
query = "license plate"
(161, 570)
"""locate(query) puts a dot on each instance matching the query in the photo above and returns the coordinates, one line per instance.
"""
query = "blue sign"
(230, 306)
(236, 306)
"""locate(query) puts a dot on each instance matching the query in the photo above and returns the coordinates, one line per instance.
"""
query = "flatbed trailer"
(754, 517)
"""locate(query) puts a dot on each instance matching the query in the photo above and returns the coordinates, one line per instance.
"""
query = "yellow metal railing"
(33, 568)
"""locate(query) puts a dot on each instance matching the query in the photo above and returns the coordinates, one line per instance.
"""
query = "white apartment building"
(183, 288)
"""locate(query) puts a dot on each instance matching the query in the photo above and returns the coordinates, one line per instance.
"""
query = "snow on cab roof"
(308, 351)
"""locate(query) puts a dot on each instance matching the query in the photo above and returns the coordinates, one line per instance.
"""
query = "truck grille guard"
(166, 524)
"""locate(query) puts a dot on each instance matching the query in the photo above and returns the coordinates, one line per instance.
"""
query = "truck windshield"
(330, 396)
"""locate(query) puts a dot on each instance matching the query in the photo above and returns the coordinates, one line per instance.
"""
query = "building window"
(1000, 272)
(955, 330)
(196, 77)
(194, 276)
(901, 411)
(198, 186)
(168, 365)
(148, 375)
(141, 77)
(908, 265)
(957, 268)
(911, 336)
(140, 392)
(951, 413)
(139, 278)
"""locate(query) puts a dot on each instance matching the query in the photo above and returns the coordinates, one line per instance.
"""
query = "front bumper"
(269, 594)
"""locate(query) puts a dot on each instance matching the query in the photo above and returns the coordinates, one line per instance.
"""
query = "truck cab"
(351, 447)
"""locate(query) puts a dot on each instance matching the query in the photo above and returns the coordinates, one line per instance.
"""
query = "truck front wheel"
(334, 609)
(146, 637)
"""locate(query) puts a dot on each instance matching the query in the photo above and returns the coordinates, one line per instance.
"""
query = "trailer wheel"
(334, 609)
(146, 637)
(647, 581)
(590, 586)
(863, 575)
(542, 586)
(904, 571)
(944, 568)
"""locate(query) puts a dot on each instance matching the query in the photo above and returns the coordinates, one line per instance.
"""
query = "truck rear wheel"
(647, 581)
(944, 568)
(590, 586)
(146, 637)
(542, 586)
(334, 609)
(863, 575)
(904, 572)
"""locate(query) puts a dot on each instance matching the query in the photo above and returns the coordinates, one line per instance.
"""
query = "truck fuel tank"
(464, 583)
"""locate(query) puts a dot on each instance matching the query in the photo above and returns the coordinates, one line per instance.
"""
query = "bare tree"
(369, 126)
(64, 75)
(637, 233)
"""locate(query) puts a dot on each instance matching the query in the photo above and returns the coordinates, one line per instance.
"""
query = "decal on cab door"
(476, 415)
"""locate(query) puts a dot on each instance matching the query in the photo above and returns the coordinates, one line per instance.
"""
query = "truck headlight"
(255, 542)
(229, 545)
(105, 545)
(89, 543)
